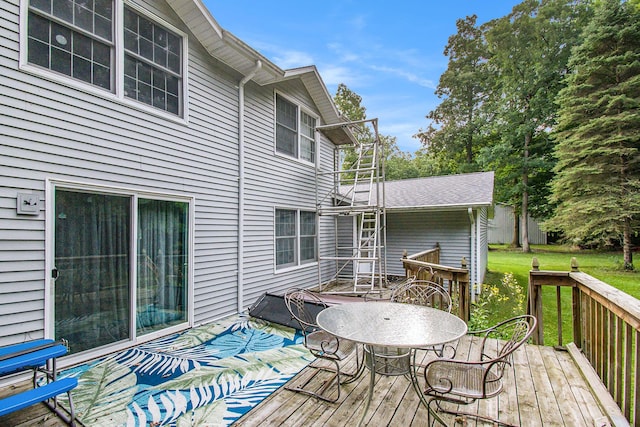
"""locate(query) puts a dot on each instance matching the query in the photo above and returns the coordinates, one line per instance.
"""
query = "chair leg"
(462, 415)
(320, 393)
(433, 413)
(352, 376)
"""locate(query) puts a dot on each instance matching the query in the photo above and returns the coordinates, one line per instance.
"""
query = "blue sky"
(389, 53)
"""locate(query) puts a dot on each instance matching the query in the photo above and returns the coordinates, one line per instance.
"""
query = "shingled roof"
(440, 192)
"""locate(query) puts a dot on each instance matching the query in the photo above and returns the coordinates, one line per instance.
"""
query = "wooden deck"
(544, 388)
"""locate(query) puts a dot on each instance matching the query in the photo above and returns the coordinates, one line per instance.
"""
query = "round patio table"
(388, 324)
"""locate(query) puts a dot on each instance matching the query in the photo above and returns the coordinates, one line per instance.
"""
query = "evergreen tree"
(597, 183)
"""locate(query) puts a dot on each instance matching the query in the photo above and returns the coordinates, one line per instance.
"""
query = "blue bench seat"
(29, 355)
(36, 395)
(34, 355)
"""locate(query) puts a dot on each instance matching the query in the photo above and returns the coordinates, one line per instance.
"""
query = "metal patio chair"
(462, 382)
(423, 292)
(426, 293)
(303, 305)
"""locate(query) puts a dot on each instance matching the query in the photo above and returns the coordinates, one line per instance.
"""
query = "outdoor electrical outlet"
(28, 204)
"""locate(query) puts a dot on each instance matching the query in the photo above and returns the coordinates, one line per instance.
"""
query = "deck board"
(543, 388)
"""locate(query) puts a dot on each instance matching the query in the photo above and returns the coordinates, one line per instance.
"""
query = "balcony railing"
(605, 325)
(426, 264)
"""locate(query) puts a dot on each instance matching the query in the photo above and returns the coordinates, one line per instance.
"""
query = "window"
(152, 63)
(93, 259)
(295, 131)
(75, 38)
(296, 237)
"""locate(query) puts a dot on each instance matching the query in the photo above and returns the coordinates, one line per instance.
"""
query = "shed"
(501, 227)
(450, 210)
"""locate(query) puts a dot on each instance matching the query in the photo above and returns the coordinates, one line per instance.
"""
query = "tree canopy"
(456, 121)
(548, 98)
(597, 181)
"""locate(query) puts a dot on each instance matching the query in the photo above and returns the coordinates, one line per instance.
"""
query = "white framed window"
(111, 47)
(295, 237)
(295, 131)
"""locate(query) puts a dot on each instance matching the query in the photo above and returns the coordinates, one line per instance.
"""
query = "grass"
(605, 266)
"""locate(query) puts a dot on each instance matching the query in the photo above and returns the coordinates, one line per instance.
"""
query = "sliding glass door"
(162, 264)
(103, 294)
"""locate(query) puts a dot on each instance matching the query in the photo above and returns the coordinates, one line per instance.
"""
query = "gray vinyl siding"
(275, 181)
(53, 130)
(420, 230)
(60, 131)
(483, 256)
(346, 230)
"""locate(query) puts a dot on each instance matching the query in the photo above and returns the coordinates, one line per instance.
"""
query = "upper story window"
(152, 63)
(76, 38)
(295, 131)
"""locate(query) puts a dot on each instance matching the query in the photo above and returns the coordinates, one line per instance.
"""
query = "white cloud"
(344, 55)
(333, 75)
(292, 59)
(358, 22)
(428, 83)
(283, 57)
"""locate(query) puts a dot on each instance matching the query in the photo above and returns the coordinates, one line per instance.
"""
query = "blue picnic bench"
(40, 357)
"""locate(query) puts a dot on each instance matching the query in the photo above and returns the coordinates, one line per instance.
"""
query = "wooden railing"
(605, 325)
(430, 255)
(425, 266)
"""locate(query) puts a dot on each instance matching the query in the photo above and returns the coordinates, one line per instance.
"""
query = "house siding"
(275, 181)
(421, 230)
(62, 132)
(55, 131)
(483, 256)
(346, 243)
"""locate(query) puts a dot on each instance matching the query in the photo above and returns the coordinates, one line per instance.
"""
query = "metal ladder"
(367, 254)
(357, 192)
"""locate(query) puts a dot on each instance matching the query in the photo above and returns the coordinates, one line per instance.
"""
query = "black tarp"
(271, 307)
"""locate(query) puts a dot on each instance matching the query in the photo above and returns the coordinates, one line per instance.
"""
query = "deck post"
(535, 303)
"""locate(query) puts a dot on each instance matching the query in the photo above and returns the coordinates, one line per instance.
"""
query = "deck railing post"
(535, 303)
(606, 326)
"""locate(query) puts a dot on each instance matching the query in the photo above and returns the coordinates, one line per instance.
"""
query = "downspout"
(241, 84)
(472, 261)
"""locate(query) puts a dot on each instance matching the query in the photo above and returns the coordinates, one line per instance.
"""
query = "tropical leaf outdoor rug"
(207, 376)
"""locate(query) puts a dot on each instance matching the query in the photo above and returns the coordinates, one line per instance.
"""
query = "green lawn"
(606, 266)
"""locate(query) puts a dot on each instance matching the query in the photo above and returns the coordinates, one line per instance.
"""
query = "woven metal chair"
(462, 382)
(423, 292)
(430, 294)
(304, 306)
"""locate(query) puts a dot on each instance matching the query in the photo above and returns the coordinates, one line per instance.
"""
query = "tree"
(529, 52)
(454, 133)
(597, 183)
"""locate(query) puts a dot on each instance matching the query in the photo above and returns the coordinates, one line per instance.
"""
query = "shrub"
(508, 297)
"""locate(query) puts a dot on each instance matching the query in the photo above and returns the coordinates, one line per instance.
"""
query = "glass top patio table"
(391, 324)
